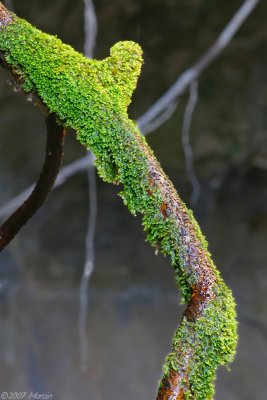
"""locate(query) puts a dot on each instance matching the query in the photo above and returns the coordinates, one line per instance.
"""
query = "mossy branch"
(92, 97)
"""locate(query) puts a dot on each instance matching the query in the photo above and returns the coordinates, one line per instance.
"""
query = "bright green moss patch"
(210, 341)
(92, 97)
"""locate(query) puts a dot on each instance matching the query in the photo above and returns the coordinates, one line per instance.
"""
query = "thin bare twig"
(90, 27)
(192, 101)
(164, 116)
(64, 174)
(192, 73)
(89, 263)
(53, 158)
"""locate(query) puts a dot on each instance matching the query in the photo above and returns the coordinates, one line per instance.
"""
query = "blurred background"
(133, 301)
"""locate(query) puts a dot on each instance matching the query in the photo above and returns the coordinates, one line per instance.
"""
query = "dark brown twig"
(53, 158)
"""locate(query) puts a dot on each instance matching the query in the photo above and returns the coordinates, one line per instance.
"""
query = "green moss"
(92, 97)
(210, 341)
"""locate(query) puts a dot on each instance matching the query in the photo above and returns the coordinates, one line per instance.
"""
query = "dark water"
(133, 301)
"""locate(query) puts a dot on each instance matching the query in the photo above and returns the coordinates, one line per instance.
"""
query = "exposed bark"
(5, 16)
(207, 334)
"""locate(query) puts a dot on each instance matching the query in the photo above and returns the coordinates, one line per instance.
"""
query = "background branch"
(192, 101)
(82, 164)
(90, 29)
(89, 264)
(193, 73)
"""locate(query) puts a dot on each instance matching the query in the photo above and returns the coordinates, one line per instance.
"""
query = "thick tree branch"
(92, 97)
(158, 113)
(53, 157)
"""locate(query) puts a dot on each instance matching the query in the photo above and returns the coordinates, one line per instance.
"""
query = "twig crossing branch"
(193, 97)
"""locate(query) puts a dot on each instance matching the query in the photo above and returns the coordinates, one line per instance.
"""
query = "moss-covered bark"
(92, 97)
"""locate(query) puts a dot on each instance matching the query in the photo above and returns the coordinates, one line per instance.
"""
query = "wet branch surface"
(206, 336)
(53, 159)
